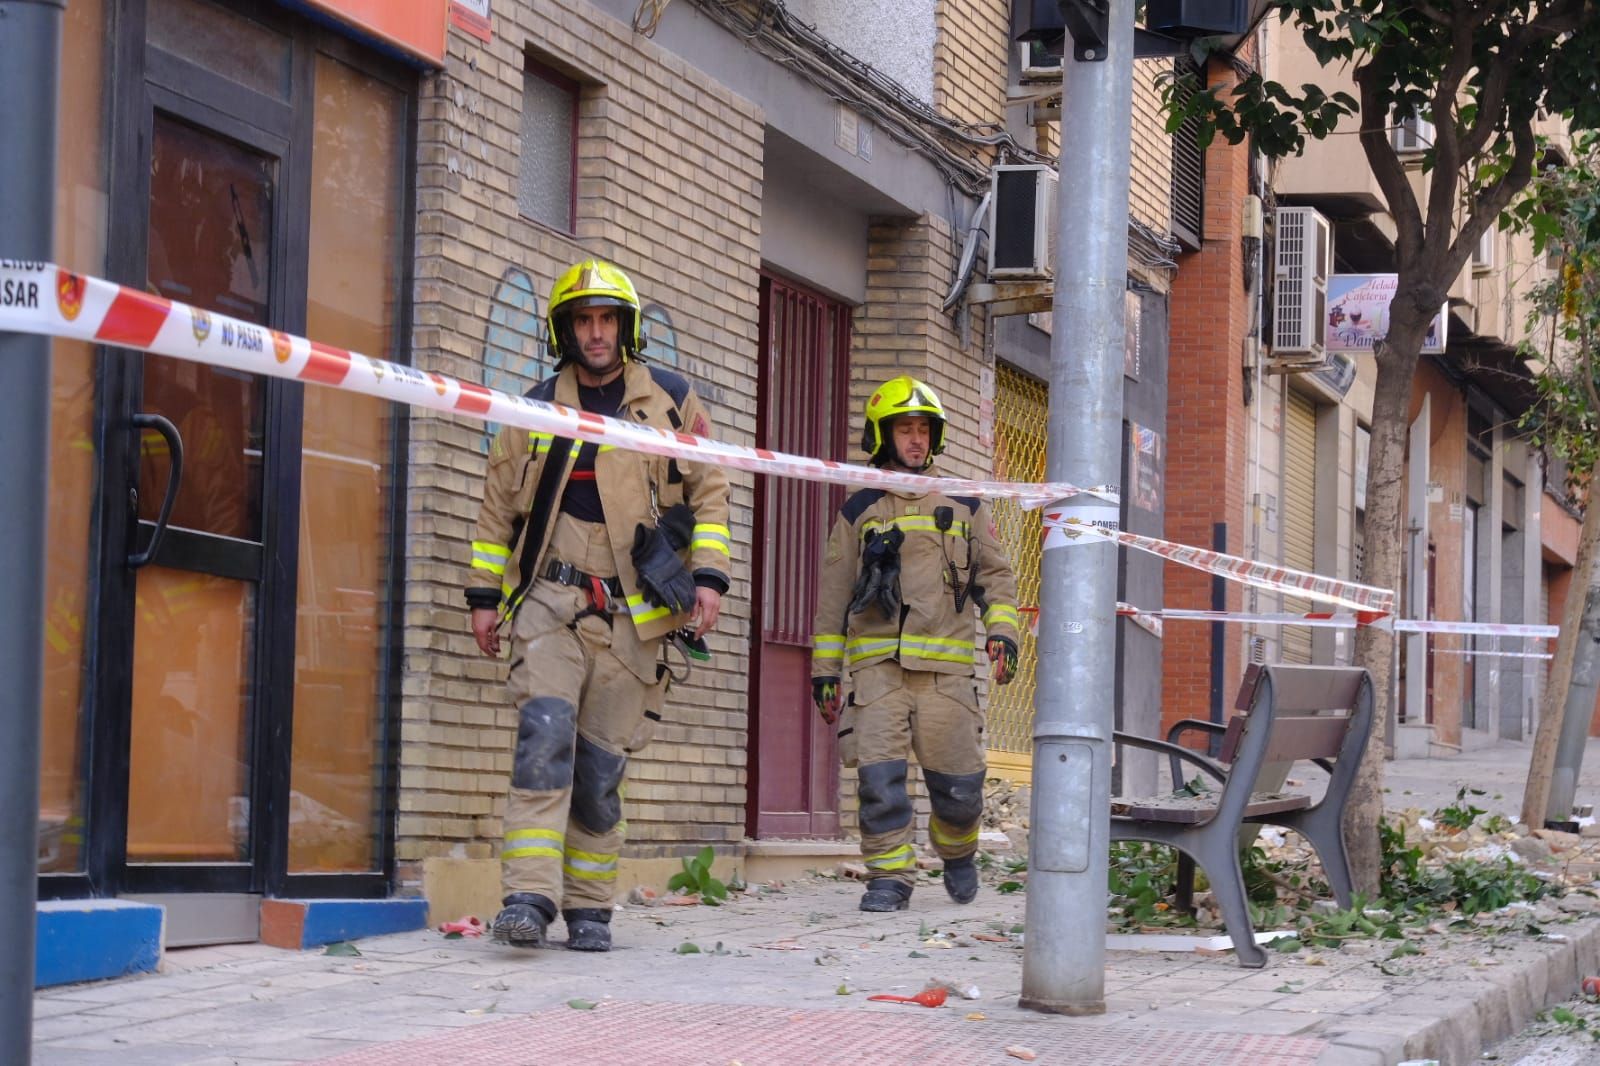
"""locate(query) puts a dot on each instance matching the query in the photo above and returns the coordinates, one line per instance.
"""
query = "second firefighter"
(903, 572)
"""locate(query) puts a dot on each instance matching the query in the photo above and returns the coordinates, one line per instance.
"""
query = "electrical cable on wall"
(648, 16)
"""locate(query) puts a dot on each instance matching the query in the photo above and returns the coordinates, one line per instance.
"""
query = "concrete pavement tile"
(50, 1008)
(298, 1050)
(60, 1055)
(114, 991)
(244, 991)
(142, 1010)
(1344, 1055)
(1321, 1001)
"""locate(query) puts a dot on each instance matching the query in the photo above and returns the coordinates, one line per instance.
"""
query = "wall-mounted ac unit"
(1411, 135)
(1040, 60)
(1022, 221)
(1302, 260)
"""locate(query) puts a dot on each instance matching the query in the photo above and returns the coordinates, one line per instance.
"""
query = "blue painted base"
(93, 939)
(309, 923)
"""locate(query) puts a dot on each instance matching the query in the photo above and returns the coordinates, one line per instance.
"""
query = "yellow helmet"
(592, 283)
(904, 395)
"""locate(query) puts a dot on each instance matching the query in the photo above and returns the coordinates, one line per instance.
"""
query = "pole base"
(1052, 1007)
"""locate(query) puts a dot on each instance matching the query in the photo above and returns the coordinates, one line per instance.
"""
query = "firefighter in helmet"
(904, 570)
(586, 557)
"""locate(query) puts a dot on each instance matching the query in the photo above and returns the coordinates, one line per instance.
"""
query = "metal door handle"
(169, 431)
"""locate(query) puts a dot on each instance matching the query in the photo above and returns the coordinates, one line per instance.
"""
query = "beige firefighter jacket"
(930, 634)
(627, 482)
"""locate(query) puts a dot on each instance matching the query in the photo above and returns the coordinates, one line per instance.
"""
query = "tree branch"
(1385, 164)
(1549, 22)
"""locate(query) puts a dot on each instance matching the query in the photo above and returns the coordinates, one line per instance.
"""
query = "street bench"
(1318, 713)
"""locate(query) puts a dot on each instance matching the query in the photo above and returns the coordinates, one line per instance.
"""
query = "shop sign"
(1358, 314)
(416, 27)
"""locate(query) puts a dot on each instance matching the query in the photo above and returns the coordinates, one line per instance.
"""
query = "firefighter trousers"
(895, 713)
(582, 710)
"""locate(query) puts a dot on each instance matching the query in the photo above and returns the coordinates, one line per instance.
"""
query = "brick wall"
(970, 59)
(1150, 199)
(669, 187)
(1206, 423)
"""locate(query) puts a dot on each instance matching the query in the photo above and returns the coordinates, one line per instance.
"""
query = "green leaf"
(687, 948)
(706, 857)
(343, 947)
(1005, 888)
(1286, 944)
(842, 990)
(918, 955)
(580, 1004)
(677, 881)
(1403, 949)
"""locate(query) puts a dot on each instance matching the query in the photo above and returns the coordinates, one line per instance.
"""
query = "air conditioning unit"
(1022, 221)
(1040, 60)
(1302, 260)
(1411, 135)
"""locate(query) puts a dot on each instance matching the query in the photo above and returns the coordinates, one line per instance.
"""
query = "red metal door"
(804, 391)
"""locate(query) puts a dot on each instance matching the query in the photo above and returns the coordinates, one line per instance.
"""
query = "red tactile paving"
(701, 1034)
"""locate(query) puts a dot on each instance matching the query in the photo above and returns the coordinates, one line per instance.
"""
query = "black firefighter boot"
(886, 894)
(588, 929)
(523, 920)
(961, 879)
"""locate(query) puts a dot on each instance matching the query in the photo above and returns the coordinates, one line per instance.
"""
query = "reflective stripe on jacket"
(930, 634)
(625, 480)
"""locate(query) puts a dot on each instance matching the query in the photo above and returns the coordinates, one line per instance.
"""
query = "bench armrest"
(1183, 725)
(1210, 766)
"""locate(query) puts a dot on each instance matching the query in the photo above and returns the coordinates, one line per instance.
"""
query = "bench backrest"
(1301, 712)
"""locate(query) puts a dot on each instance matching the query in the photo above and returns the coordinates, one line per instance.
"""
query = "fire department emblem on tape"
(280, 346)
(69, 294)
(200, 323)
(377, 368)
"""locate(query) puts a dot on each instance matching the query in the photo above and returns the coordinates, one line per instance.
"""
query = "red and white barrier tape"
(43, 298)
(1378, 621)
(1151, 621)
(1246, 571)
(1486, 653)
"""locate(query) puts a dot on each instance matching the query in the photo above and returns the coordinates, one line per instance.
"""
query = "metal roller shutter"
(1299, 514)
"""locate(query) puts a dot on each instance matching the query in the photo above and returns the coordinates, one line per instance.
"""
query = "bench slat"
(1306, 737)
(1191, 809)
(1297, 689)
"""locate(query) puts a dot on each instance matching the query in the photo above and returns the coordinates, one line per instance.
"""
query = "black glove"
(677, 522)
(1003, 657)
(825, 694)
(663, 579)
(879, 579)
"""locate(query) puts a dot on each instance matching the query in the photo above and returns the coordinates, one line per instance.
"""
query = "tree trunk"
(1536, 797)
(1381, 543)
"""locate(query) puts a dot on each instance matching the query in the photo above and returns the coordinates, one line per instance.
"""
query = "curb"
(1455, 1021)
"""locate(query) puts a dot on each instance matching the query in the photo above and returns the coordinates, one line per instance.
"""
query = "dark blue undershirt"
(581, 499)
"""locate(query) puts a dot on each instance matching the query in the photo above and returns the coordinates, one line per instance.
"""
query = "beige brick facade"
(669, 186)
(970, 60)
(1150, 195)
